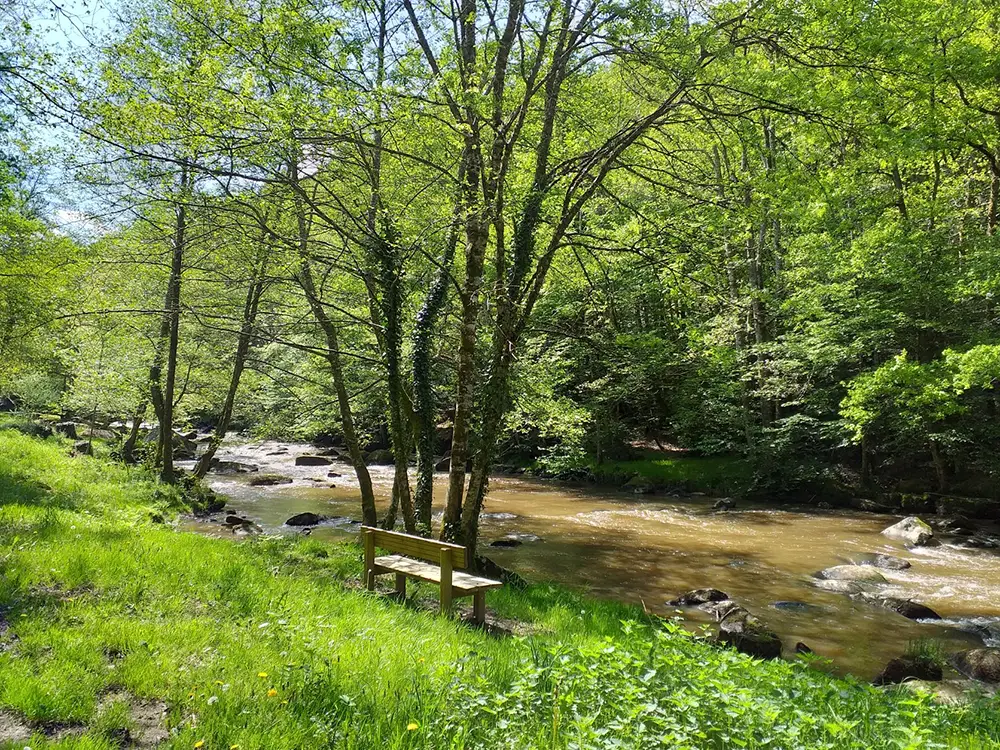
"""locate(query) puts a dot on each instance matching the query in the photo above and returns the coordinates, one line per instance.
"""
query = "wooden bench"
(426, 560)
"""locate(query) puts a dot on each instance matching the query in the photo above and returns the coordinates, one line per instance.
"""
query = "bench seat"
(463, 582)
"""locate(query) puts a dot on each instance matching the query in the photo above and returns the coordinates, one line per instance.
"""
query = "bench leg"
(401, 586)
(370, 580)
(479, 608)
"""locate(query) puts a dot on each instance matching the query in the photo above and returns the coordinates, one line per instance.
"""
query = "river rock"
(506, 543)
(305, 519)
(980, 542)
(862, 573)
(279, 452)
(750, 636)
(330, 452)
(640, 485)
(801, 648)
(333, 474)
(912, 531)
(83, 448)
(726, 503)
(981, 664)
(698, 596)
(909, 667)
(233, 467)
(66, 428)
(722, 610)
(971, 507)
(796, 607)
(308, 460)
(887, 562)
(380, 457)
(269, 480)
(909, 609)
(838, 587)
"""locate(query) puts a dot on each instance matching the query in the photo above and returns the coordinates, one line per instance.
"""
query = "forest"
(534, 234)
(475, 276)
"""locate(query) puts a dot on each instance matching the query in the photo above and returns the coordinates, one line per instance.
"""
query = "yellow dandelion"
(262, 675)
(420, 660)
(199, 743)
(284, 703)
(412, 726)
(219, 682)
(271, 693)
(234, 747)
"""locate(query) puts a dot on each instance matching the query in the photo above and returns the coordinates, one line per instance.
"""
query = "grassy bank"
(109, 616)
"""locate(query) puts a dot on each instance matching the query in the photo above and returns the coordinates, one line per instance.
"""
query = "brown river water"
(648, 549)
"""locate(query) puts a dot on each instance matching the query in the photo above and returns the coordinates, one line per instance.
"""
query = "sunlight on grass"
(271, 643)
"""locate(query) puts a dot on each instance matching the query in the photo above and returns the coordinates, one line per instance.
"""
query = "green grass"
(271, 643)
(720, 475)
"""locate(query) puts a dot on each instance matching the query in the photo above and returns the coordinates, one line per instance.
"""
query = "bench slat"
(464, 582)
(415, 546)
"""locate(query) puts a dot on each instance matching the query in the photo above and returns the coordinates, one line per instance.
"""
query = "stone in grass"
(750, 636)
(862, 573)
(305, 519)
(911, 530)
(268, 480)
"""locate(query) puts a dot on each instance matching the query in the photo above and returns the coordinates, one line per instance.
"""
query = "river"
(648, 549)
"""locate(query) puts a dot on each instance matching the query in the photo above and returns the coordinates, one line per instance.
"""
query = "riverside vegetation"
(107, 612)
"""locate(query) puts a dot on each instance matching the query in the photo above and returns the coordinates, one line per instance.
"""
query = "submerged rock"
(909, 609)
(909, 667)
(793, 606)
(698, 596)
(308, 460)
(863, 573)
(233, 467)
(981, 664)
(640, 485)
(305, 519)
(268, 480)
(838, 587)
(750, 636)
(506, 543)
(912, 531)
(726, 503)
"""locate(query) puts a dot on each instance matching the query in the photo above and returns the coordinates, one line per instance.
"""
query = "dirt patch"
(147, 720)
(14, 728)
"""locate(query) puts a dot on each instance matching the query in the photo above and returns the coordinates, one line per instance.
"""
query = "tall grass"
(271, 643)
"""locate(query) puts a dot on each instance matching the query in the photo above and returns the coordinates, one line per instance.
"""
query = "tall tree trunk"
(423, 389)
(170, 331)
(128, 447)
(254, 292)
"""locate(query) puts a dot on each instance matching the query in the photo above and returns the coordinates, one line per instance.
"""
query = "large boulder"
(308, 460)
(857, 573)
(909, 668)
(750, 636)
(911, 530)
(981, 664)
(722, 610)
(305, 519)
(184, 449)
(698, 596)
(268, 480)
(380, 457)
(909, 609)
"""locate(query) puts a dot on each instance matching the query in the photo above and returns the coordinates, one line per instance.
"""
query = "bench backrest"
(416, 546)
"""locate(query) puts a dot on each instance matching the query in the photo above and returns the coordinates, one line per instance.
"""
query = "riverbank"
(117, 628)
